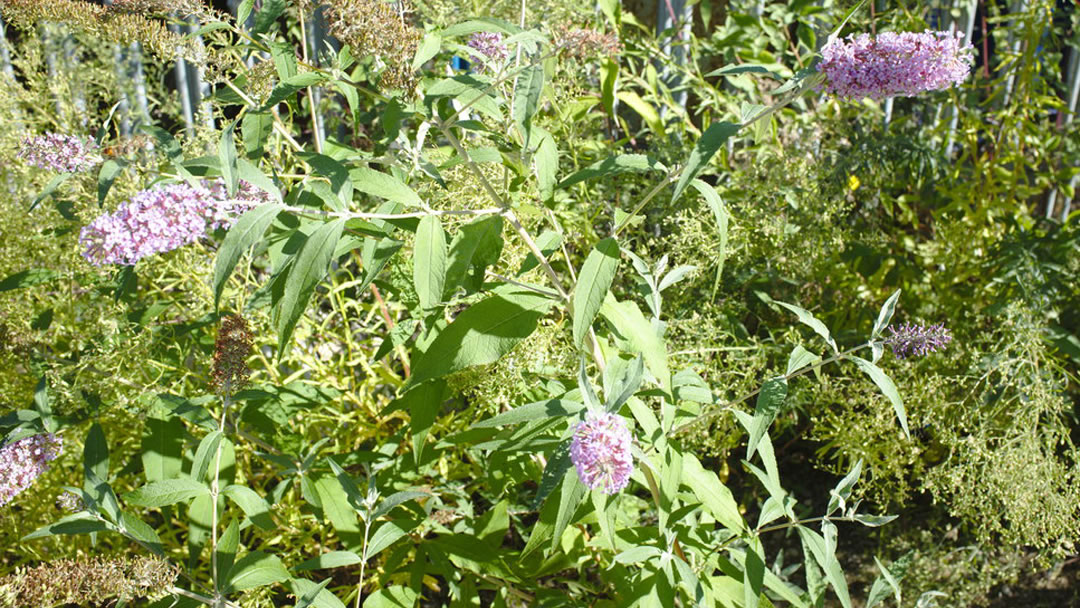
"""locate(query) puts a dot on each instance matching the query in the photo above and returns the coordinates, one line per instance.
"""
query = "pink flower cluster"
(601, 452)
(164, 218)
(895, 64)
(490, 45)
(23, 461)
(58, 152)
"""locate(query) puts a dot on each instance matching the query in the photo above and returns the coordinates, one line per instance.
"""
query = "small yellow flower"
(853, 183)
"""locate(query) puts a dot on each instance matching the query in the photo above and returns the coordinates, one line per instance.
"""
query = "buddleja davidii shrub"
(474, 316)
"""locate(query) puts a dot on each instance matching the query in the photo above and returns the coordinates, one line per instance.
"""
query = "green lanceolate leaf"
(527, 89)
(256, 128)
(593, 284)
(627, 320)
(78, 523)
(206, 452)
(110, 170)
(573, 492)
(166, 492)
(96, 453)
(429, 262)
(552, 408)
(888, 388)
(885, 314)
(383, 185)
(719, 211)
(227, 157)
(162, 449)
(806, 318)
(255, 569)
(477, 245)
(308, 270)
(247, 231)
(546, 165)
(482, 334)
(557, 466)
(828, 562)
(333, 559)
(423, 403)
(253, 505)
(614, 165)
(27, 278)
(713, 494)
(711, 140)
(769, 401)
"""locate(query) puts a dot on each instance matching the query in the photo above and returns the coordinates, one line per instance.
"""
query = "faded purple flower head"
(911, 339)
(601, 452)
(895, 64)
(23, 461)
(164, 218)
(490, 45)
(70, 502)
(59, 152)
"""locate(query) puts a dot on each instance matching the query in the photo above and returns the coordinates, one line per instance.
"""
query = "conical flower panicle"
(601, 452)
(92, 582)
(164, 218)
(23, 461)
(894, 64)
(59, 152)
(911, 339)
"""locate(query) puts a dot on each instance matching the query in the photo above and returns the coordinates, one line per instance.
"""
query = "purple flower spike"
(164, 218)
(918, 340)
(601, 452)
(24, 461)
(490, 45)
(895, 64)
(58, 152)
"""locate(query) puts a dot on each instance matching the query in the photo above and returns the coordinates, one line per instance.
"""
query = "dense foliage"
(529, 304)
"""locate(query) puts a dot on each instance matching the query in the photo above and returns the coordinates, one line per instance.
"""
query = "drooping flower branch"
(894, 64)
(231, 351)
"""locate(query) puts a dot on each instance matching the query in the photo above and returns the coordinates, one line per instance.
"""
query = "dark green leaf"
(769, 401)
(227, 158)
(110, 170)
(482, 334)
(429, 262)
(594, 281)
(253, 505)
(247, 231)
(27, 278)
(255, 569)
(711, 140)
(166, 492)
(308, 270)
(552, 408)
(612, 166)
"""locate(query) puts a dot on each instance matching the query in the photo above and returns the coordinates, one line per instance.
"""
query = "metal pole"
(969, 28)
(183, 90)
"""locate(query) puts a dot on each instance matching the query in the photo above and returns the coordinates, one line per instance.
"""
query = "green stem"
(731, 404)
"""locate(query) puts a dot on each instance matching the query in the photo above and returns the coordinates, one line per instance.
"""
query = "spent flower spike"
(895, 64)
(911, 339)
(23, 461)
(59, 152)
(601, 452)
